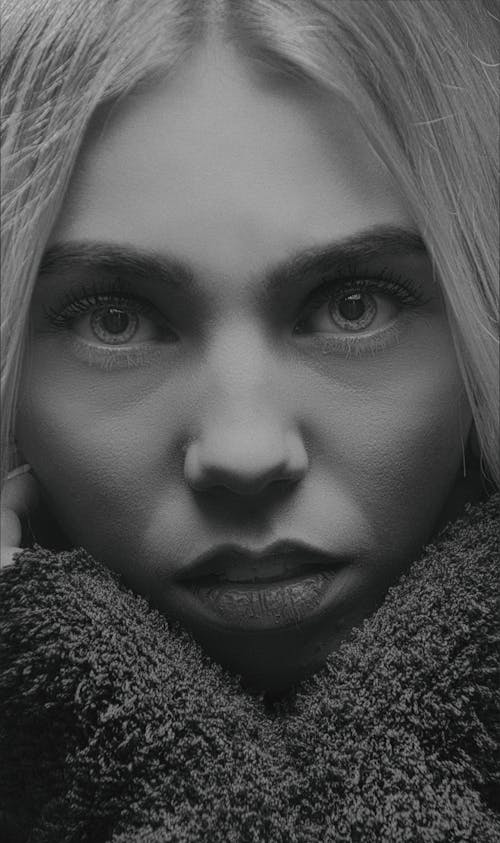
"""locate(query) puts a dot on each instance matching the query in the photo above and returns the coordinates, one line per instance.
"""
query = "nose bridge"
(246, 437)
(240, 367)
(244, 402)
(245, 384)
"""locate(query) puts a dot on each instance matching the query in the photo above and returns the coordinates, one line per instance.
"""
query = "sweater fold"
(116, 726)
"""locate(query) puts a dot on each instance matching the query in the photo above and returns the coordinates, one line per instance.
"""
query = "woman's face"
(241, 367)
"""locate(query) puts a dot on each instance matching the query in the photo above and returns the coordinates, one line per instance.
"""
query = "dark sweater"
(116, 726)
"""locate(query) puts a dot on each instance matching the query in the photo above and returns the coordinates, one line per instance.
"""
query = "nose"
(245, 457)
(247, 435)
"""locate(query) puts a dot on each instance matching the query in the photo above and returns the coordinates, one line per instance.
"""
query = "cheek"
(99, 463)
(393, 443)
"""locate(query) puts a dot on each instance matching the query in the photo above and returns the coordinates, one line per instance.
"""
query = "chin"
(272, 686)
(264, 669)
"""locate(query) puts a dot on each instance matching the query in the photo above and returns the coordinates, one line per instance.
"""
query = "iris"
(354, 311)
(114, 324)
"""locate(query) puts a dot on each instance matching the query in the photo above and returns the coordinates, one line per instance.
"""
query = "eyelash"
(120, 293)
(406, 292)
(78, 303)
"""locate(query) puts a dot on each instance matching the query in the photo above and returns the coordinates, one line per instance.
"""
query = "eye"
(111, 320)
(115, 325)
(350, 312)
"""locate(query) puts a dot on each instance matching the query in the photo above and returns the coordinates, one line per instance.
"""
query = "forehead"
(220, 158)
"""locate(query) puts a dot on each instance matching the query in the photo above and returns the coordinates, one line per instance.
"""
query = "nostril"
(244, 465)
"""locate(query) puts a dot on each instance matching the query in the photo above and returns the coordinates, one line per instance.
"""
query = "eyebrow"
(342, 255)
(124, 260)
(116, 259)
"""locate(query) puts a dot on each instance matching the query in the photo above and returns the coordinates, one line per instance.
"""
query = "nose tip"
(245, 462)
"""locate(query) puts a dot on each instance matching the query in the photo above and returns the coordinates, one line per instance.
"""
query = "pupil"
(115, 321)
(352, 307)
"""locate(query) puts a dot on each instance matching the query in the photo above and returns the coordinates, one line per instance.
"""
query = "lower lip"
(268, 605)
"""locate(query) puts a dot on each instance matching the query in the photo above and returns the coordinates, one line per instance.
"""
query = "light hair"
(421, 75)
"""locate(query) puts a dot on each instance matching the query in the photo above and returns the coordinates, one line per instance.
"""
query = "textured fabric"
(115, 726)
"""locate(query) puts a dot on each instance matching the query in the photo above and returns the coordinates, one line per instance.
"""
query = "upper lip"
(278, 561)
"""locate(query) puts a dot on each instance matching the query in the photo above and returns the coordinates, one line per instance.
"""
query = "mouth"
(282, 585)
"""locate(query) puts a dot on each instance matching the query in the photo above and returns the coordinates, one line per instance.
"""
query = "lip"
(283, 560)
(280, 586)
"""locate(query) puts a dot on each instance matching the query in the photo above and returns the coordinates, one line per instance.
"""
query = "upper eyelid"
(119, 291)
(142, 304)
(358, 278)
(106, 287)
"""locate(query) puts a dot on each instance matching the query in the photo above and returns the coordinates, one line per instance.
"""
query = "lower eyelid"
(114, 357)
(357, 345)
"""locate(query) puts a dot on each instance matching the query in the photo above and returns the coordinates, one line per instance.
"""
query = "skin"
(242, 430)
